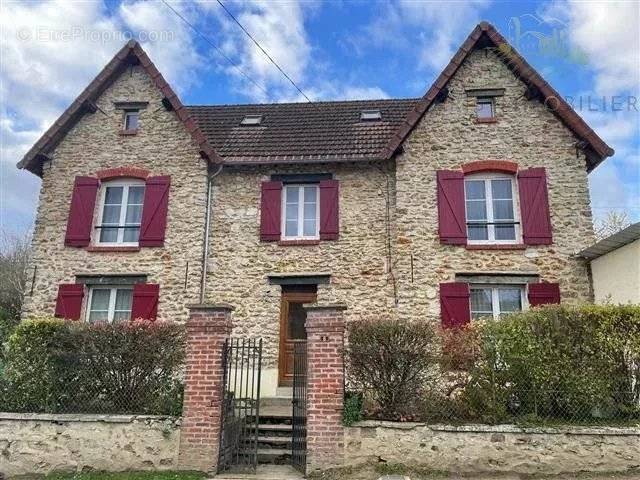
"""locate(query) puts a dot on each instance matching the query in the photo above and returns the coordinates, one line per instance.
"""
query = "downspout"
(207, 229)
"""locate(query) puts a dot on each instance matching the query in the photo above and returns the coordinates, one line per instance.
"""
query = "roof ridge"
(330, 102)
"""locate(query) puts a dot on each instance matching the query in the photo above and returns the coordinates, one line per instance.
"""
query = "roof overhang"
(131, 54)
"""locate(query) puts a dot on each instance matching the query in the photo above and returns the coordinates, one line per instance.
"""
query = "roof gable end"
(131, 54)
(486, 35)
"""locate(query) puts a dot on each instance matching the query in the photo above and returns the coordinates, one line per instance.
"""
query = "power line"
(218, 49)
(263, 51)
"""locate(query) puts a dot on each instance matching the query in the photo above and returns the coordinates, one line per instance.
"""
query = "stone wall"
(240, 264)
(42, 443)
(448, 137)
(479, 449)
(163, 147)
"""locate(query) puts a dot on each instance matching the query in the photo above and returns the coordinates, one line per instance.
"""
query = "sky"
(589, 51)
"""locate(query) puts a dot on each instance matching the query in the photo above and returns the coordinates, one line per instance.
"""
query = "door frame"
(290, 294)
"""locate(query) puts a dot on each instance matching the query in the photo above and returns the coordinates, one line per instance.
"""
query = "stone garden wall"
(504, 448)
(42, 443)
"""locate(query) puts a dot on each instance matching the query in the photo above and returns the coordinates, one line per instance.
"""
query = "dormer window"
(131, 118)
(485, 108)
(251, 120)
(370, 115)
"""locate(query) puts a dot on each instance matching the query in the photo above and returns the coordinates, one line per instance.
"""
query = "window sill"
(498, 246)
(100, 248)
(487, 120)
(298, 243)
(127, 133)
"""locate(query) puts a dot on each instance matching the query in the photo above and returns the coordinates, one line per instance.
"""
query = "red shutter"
(145, 301)
(83, 203)
(534, 207)
(452, 225)
(455, 310)
(69, 301)
(543, 293)
(154, 212)
(270, 211)
(329, 210)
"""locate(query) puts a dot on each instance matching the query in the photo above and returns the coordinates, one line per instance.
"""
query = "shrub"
(392, 362)
(353, 408)
(57, 366)
(559, 362)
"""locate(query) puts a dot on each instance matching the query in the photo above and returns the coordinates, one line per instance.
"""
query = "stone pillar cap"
(212, 306)
(324, 306)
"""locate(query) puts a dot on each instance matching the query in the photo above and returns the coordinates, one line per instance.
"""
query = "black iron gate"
(299, 416)
(241, 361)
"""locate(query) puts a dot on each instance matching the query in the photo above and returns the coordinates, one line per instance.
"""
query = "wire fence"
(517, 392)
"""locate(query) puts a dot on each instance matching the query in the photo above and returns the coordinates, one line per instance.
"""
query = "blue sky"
(589, 51)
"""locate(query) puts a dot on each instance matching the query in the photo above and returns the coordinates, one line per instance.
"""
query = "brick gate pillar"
(207, 328)
(325, 385)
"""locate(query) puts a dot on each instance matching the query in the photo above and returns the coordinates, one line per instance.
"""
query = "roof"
(485, 35)
(613, 242)
(301, 132)
(131, 54)
(313, 132)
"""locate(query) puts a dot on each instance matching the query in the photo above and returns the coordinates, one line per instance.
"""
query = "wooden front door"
(292, 318)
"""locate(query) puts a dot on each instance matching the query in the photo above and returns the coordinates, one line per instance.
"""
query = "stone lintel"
(301, 278)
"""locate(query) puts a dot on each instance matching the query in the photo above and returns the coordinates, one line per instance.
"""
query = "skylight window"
(370, 115)
(250, 120)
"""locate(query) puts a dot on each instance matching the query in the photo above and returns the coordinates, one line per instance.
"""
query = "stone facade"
(163, 147)
(388, 260)
(448, 137)
(476, 449)
(43, 443)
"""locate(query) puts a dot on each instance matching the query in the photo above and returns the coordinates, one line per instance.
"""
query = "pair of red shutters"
(154, 212)
(534, 207)
(78, 234)
(144, 303)
(271, 210)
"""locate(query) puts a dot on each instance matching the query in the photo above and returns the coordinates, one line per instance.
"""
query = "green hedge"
(556, 364)
(57, 366)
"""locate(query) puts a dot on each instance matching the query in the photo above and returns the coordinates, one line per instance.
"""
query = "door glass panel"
(295, 322)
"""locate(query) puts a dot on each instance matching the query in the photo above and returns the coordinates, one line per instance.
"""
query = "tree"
(612, 223)
(15, 252)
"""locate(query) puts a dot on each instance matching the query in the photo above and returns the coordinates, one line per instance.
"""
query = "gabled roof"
(313, 132)
(612, 242)
(301, 132)
(485, 35)
(131, 54)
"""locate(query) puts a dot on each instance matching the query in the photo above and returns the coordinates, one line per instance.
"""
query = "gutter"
(207, 229)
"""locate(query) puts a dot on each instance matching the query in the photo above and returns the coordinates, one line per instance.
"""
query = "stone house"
(471, 200)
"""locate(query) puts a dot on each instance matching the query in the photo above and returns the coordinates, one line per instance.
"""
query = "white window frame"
(488, 199)
(127, 114)
(300, 235)
(495, 299)
(112, 300)
(126, 183)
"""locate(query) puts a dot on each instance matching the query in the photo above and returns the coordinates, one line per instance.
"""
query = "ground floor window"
(494, 300)
(109, 304)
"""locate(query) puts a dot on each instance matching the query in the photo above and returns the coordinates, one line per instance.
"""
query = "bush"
(392, 362)
(58, 366)
(562, 362)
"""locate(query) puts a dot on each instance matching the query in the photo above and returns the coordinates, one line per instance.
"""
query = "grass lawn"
(127, 476)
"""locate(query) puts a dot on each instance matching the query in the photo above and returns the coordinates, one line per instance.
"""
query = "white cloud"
(607, 31)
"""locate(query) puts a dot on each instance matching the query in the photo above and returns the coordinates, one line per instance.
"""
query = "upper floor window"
(485, 107)
(109, 304)
(301, 212)
(120, 212)
(131, 118)
(495, 300)
(491, 209)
